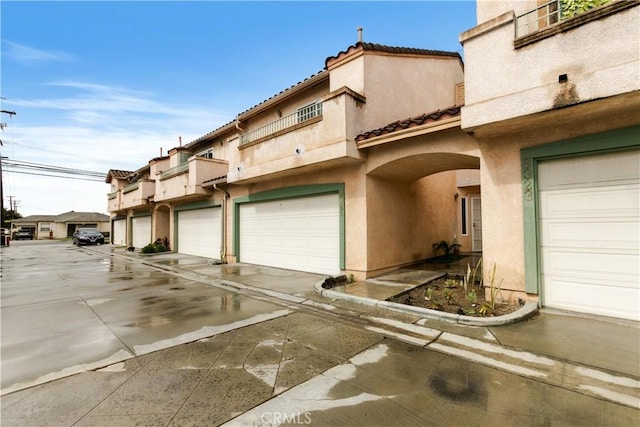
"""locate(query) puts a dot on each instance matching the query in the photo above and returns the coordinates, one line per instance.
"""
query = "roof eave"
(431, 127)
(288, 93)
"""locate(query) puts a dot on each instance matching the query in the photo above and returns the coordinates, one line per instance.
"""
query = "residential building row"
(60, 226)
(528, 153)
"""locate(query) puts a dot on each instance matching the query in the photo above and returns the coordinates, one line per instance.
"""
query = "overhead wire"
(40, 169)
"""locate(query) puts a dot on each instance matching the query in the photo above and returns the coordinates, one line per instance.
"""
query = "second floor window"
(207, 154)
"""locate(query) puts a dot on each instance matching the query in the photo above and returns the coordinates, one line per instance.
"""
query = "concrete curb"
(527, 311)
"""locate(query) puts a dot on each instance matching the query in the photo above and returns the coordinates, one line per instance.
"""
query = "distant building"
(60, 226)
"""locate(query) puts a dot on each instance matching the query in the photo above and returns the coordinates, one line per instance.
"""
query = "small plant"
(153, 248)
(472, 275)
(352, 278)
(472, 297)
(449, 249)
(489, 306)
(450, 284)
(149, 249)
(447, 295)
(428, 294)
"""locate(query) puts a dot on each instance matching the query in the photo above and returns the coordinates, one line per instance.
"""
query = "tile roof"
(409, 123)
(374, 47)
(118, 174)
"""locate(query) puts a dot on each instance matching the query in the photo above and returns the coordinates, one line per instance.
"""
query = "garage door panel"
(591, 267)
(612, 235)
(298, 234)
(199, 232)
(618, 302)
(618, 201)
(589, 171)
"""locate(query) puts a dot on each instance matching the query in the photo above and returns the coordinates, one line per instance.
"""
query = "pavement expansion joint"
(581, 379)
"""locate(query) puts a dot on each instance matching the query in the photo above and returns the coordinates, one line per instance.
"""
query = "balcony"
(557, 15)
(137, 194)
(113, 203)
(303, 117)
(185, 180)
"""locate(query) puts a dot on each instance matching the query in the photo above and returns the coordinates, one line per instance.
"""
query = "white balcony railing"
(551, 13)
(303, 114)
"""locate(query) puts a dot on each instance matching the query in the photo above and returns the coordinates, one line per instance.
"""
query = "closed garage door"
(141, 230)
(199, 232)
(590, 231)
(119, 232)
(298, 234)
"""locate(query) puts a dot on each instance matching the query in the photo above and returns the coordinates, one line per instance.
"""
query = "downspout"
(223, 249)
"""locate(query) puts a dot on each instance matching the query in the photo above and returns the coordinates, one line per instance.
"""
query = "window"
(463, 216)
(207, 154)
(45, 227)
(183, 157)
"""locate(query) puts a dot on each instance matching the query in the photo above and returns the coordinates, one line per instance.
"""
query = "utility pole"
(2, 126)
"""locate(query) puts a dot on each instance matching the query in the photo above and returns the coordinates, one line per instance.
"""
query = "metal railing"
(551, 13)
(176, 170)
(303, 114)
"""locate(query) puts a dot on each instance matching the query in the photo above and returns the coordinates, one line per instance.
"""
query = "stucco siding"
(609, 67)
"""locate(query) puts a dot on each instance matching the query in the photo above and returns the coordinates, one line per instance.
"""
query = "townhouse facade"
(286, 184)
(552, 97)
(529, 155)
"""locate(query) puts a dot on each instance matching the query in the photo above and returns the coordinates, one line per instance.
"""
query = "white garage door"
(199, 232)
(297, 234)
(590, 234)
(119, 232)
(141, 230)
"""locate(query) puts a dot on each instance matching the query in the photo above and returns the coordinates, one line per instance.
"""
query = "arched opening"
(418, 200)
(162, 224)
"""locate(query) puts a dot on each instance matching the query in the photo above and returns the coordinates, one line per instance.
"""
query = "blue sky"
(106, 85)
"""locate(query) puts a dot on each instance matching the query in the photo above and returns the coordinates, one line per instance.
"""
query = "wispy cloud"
(84, 125)
(108, 127)
(28, 55)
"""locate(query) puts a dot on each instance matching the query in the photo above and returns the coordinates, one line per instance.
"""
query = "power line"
(40, 169)
(54, 176)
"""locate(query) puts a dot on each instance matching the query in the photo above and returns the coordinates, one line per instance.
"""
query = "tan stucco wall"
(401, 87)
(603, 67)
(438, 211)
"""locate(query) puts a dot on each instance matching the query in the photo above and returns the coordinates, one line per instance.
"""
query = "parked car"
(88, 236)
(23, 235)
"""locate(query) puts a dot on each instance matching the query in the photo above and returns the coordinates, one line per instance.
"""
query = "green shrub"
(149, 249)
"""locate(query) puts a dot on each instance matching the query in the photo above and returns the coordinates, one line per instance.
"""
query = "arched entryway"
(162, 224)
(418, 199)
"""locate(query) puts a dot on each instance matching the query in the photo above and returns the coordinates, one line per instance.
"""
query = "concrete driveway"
(67, 310)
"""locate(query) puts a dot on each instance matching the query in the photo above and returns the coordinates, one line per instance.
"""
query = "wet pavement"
(204, 344)
(67, 310)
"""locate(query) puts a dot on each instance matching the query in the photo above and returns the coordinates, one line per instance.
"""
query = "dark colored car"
(23, 235)
(88, 236)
